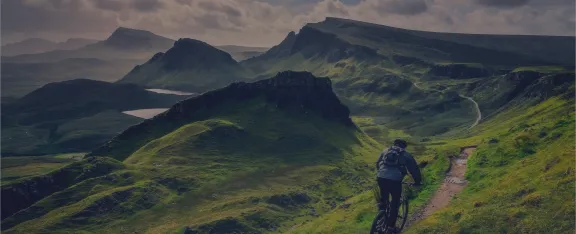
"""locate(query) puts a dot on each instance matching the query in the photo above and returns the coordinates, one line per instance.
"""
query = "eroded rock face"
(298, 92)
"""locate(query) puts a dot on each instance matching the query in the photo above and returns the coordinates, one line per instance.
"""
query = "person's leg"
(395, 188)
(384, 193)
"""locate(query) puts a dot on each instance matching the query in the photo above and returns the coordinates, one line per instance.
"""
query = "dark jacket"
(407, 162)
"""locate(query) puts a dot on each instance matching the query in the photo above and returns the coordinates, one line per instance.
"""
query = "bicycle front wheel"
(402, 214)
(379, 223)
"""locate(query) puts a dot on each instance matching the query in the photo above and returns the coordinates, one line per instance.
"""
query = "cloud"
(266, 22)
(147, 5)
(503, 3)
(112, 5)
(403, 7)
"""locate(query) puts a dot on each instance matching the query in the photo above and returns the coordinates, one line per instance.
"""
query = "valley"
(140, 133)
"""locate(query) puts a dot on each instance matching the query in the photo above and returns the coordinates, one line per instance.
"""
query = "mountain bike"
(379, 224)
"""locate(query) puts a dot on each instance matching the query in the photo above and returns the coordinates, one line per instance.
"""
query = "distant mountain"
(334, 40)
(19, 79)
(107, 60)
(535, 49)
(190, 65)
(74, 43)
(240, 53)
(123, 43)
(73, 115)
(28, 46)
(38, 45)
(134, 39)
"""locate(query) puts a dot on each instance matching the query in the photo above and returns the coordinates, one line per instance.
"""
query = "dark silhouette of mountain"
(123, 43)
(240, 53)
(74, 115)
(134, 39)
(190, 65)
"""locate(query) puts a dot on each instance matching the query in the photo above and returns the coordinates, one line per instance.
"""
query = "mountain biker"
(392, 165)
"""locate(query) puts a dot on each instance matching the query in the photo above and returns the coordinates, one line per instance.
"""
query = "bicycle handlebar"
(408, 183)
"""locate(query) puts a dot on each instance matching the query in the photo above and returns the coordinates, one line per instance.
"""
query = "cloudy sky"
(266, 22)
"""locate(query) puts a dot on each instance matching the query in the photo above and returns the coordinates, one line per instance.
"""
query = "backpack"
(392, 157)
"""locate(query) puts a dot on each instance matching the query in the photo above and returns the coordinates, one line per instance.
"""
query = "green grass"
(544, 69)
(521, 183)
(258, 167)
(14, 168)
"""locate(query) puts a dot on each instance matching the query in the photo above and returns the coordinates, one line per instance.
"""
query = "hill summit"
(298, 92)
(189, 65)
(127, 38)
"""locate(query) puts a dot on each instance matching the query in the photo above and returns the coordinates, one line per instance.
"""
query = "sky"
(267, 22)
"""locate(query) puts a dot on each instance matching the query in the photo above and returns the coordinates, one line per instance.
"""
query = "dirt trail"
(453, 184)
(478, 113)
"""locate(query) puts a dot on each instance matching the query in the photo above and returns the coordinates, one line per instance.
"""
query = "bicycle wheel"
(402, 213)
(379, 223)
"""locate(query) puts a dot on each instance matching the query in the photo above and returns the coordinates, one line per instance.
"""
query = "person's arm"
(379, 159)
(413, 169)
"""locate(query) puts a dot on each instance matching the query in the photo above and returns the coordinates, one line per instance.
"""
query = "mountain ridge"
(39, 45)
(553, 51)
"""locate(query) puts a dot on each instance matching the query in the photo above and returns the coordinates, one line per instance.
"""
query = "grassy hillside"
(519, 180)
(48, 120)
(375, 87)
(14, 168)
(249, 157)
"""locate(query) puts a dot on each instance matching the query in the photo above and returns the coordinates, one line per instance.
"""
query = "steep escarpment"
(190, 65)
(313, 50)
(292, 91)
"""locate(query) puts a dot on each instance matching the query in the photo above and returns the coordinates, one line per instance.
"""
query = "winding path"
(479, 114)
(476, 106)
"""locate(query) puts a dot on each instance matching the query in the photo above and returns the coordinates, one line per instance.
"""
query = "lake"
(149, 113)
(145, 113)
(167, 91)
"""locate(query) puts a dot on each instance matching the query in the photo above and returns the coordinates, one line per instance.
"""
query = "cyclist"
(392, 166)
